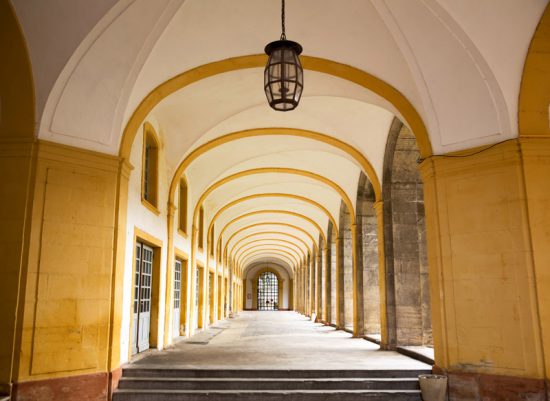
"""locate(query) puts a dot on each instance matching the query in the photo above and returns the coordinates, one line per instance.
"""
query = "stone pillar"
(326, 287)
(319, 286)
(306, 287)
(357, 282)
(384, 343)
(339, 296)
(312, 286)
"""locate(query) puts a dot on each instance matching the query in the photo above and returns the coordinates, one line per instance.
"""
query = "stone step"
(151, 383)
(272, 395)
(161, 372)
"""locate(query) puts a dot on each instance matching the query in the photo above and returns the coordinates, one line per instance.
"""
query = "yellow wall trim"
(330, 67)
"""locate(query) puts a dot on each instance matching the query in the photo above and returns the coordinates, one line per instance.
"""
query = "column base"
(486, 387)
(92, 387)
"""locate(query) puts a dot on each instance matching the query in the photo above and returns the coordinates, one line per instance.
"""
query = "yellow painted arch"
(272, 195)
(271, 233)
(291, 262)
(361, 160)
(16, 79)
(267, 170)
(298, 253)
(285, 212)
(257, 249)
(250, 265)
(534, 97)
(280, 252)
(255, 261)
(275, 223)
(343, 71)
(265, 241)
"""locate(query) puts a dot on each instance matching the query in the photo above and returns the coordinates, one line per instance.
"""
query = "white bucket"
(433, 387)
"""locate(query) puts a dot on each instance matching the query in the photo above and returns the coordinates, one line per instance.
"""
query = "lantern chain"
(283, 34)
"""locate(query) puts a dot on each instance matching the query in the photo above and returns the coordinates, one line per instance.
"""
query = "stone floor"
(276, 340)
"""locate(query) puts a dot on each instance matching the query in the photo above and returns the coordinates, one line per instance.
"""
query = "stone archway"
(408, 297)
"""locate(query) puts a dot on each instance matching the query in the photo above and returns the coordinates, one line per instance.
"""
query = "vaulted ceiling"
(453, 67)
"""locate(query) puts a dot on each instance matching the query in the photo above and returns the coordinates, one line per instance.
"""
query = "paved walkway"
(277, 340)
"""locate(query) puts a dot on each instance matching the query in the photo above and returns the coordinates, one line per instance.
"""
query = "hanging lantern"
(283, 75)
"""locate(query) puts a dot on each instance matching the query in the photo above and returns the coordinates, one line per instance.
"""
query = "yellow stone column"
(536, 168)
(18, 166)
(169, 290)
(483, 282)
(74, 263)
(191, 284)
(117, 286)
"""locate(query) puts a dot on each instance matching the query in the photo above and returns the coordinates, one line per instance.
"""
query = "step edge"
(367, 391)
(259, 379)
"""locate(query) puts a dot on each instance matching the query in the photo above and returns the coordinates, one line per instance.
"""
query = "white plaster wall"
(141, 217)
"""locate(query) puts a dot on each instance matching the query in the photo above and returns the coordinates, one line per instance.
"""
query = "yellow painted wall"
(68, 294)
(485, 313)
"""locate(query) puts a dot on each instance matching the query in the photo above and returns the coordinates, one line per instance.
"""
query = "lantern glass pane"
(298, 93)
(300, 75)
(290, 71)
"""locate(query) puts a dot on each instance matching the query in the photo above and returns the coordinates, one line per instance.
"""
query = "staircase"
(142, 383)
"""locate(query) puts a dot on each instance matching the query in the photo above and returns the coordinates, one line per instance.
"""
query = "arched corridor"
(153, 205)
(282, 340)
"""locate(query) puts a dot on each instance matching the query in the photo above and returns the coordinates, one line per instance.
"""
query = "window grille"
(268, 291)
(177, 284)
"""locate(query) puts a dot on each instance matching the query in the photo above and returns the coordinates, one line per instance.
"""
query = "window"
(177, 284)
(201, 228)
(149, 187)
(183, 206)
(268, 291)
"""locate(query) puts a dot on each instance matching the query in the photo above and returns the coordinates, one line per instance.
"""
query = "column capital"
(125, 167)
(171, 208)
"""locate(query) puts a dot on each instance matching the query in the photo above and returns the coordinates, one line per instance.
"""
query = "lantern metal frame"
(283, 74)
